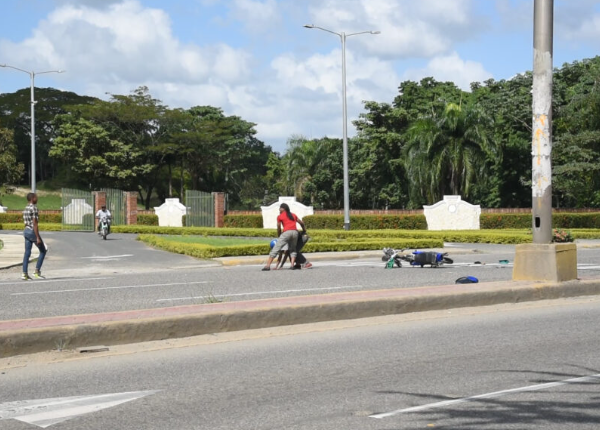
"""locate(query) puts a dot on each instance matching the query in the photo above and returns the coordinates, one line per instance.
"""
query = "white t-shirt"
(101, 214)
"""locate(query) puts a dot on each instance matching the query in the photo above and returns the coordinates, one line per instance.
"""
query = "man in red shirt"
(287, 220)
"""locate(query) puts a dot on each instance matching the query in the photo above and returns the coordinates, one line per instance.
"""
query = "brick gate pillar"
(131, 205)
(219, 201)
(99, 200)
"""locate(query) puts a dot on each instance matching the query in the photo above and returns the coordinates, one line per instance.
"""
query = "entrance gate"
(78, 210)
(115, 203)
(200, 209)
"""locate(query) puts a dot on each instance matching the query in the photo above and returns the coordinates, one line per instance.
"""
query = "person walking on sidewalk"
(32, 236)
(287, 220)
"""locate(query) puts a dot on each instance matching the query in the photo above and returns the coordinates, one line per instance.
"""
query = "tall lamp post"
(343, 37)
(33, 102)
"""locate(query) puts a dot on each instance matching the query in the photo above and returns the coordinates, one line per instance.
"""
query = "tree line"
(430, 140)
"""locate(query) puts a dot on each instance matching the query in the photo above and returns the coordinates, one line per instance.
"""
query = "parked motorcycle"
(416, 258)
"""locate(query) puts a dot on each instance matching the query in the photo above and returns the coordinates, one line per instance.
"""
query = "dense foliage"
(430, 139)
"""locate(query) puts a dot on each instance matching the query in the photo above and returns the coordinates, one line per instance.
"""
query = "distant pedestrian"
(289, 236)
(32, 236)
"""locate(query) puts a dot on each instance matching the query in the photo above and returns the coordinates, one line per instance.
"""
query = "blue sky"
(253, 58)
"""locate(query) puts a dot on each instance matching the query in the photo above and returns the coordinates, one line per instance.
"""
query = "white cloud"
(408, 28)
(451, 68)
(257, 16)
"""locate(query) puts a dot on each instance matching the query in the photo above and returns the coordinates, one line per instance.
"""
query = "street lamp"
(343, 37)
(33, 102)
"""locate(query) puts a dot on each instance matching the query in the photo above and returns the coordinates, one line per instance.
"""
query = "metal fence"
(116, 204)
(78, 210)
(200, 209)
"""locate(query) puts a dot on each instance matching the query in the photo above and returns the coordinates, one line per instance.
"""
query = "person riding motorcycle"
(103, 213)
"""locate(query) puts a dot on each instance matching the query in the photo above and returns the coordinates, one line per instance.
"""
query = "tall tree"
(10, 170)
(446, 153)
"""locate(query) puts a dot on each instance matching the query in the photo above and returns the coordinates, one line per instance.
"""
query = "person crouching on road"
(32, 236)
(286, 220)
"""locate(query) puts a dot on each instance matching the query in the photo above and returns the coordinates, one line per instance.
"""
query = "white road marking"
(35, 281)
(46, 412)
(107, 256)
(489, 396)
(265, 293)
(108, 288)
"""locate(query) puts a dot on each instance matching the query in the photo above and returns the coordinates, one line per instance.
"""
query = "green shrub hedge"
(243, 221)
(18, 218)
(559, 220)
(147, 219)
(366, 222)
(206, 251)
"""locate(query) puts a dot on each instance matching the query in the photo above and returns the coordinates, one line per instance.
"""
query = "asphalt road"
(506, 367)
(88, 275)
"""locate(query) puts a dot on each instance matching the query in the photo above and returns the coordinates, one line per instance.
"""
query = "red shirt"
(288, 224)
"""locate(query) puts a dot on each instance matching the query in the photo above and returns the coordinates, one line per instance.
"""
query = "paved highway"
(525, 366)
(87, 275)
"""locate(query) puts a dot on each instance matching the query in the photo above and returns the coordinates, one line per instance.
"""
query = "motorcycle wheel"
(384, 258)
(104, 234)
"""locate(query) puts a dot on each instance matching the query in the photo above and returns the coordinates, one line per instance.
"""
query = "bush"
(367, 222)
(504, 221)
(18, 218)
(559, 220)
(243, 221)
(147, 220)
(206, 251)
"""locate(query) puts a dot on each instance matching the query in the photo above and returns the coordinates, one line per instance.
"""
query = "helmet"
(273, 242)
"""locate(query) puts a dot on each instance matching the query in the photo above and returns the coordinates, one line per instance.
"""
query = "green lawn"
(216, 241)
(45, 202)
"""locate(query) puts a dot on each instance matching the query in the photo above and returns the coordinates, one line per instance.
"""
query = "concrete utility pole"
(543, 260)
(542, 121)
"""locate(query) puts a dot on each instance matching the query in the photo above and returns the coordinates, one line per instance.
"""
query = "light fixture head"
(309, 26)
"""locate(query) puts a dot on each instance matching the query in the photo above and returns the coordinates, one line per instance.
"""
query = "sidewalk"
(11, 255)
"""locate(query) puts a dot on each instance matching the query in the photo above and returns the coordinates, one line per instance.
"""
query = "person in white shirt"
(103, 213)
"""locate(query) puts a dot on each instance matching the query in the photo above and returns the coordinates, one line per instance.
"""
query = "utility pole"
(542, 121)
(543, 260)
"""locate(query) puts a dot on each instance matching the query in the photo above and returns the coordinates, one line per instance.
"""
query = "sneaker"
(38, 275)
(25, 277)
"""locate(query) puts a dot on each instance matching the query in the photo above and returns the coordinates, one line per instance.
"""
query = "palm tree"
(447, 153)
(304, 158)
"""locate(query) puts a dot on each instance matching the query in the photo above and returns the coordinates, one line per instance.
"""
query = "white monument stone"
(170, 213)
(270, 213)
(74, 212)
(3, 209)
(452, 213)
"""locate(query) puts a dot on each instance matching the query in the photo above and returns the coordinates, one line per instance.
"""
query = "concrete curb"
(37, 335)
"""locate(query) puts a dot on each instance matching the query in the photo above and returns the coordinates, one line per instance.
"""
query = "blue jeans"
(31, 240)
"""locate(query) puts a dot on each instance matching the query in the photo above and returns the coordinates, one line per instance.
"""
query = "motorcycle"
(104, 227)
(416, 258)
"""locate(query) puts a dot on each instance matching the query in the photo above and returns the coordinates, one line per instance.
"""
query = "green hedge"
(366, 222)
(20, 226)
(206, 251)
(14, 218)
(243, 221)
(559, 220)
(147, 219)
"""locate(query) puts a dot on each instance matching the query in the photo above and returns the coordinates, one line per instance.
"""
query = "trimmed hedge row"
(42, 227)
(143, 219)
(367, 222)
(14, 218)
(206, 251)
(243, 221)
